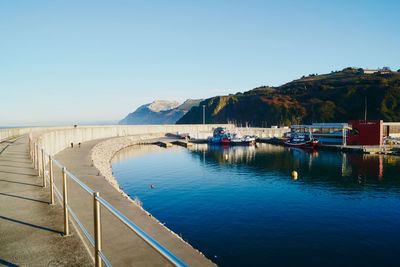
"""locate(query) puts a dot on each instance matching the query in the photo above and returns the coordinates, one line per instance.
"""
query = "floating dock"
(198, 141)
(165, 144)
(182, 143)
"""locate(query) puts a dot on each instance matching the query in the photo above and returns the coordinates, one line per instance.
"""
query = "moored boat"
(245, 140)
(222, 136)
(302, 140)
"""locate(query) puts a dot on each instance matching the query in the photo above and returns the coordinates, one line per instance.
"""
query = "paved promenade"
(30, 228)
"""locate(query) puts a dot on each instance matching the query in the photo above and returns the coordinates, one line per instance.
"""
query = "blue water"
(10, 127)
(240, 206)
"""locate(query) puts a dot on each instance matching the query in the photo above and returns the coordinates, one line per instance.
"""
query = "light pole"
(204, 114)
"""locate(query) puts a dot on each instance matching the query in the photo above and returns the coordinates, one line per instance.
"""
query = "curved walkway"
(30, 228)
(121, 246)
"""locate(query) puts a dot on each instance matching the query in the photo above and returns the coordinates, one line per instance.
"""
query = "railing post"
(33, 155)
(43, 168)
(40, 161)
(51, 180)
(97, 229)
(65, 200)
(37, 159)
(30, 148)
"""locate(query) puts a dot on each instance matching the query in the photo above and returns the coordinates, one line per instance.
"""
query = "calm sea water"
(240, 206)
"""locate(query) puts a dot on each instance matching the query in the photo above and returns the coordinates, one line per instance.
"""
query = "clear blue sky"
(67, 62)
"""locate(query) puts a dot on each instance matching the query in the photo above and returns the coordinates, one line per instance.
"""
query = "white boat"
(245, 140)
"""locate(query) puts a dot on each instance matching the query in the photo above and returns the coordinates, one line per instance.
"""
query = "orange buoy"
(152, 186)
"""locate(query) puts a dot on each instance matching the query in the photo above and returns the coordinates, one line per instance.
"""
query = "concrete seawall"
(56, 140)
(15, 132)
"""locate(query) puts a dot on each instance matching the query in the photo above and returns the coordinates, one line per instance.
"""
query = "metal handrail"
(34, 149)
(74, 216)
(81, 226)
(58, 164)
(90, 191)
(58, 192)
(143, 235)
(104, 259)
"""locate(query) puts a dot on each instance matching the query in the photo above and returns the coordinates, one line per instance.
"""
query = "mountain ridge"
(159, 112)
(335, 97)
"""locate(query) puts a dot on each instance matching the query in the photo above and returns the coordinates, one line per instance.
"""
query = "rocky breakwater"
(102, 154)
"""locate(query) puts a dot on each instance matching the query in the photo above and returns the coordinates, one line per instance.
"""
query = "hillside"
(159, 112)
(335, 97)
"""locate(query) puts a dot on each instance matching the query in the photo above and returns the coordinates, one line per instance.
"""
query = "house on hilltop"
(381, 71)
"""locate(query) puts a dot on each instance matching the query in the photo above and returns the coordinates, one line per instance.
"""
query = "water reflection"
(242, 205)
(225, 154)
(335, 168)
(315, 167)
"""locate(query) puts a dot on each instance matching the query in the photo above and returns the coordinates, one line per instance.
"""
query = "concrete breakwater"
(55, 139)
(121, 246)
(77, 161)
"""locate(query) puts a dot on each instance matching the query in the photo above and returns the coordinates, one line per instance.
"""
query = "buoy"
(294, 175)
(226, 156)
(152, 186)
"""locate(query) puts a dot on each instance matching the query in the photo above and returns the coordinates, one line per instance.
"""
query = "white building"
(383, 71)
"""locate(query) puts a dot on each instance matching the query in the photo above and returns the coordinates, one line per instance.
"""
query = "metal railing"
(38, 156)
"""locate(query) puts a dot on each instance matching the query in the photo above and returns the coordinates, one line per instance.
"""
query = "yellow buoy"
(294, 175)
(226, 156)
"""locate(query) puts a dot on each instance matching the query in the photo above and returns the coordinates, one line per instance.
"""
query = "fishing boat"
(245, 140)
(301, 140)
(222, 136)
(218, 134)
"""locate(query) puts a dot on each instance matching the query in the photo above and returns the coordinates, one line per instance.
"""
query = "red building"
(365, 132)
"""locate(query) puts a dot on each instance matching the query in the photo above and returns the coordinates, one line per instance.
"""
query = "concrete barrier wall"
(15, 132)
(56, 140)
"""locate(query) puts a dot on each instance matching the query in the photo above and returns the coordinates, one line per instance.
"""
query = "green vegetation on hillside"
(335, 97)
